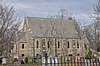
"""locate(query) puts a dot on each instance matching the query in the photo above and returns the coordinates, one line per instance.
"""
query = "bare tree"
(48, 29)
(9, 27)
(56, 27)
(93, 31)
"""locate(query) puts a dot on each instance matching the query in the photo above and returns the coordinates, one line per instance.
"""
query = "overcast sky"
(45, 8)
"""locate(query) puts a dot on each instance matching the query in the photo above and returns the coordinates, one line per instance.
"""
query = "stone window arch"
(78, 45)
(37, 44)
(58, 44)
(22, 46)
(48, 44)
(68, 44)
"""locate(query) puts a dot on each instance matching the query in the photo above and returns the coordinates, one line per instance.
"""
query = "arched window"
(85, 47)
(48, 44)
(23, 55)
(22, 46)
(77, 45)
(37, 46)
(68, 45)
(58, 44)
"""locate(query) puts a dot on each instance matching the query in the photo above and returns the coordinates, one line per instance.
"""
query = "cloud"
(44, 8)
(22, 5)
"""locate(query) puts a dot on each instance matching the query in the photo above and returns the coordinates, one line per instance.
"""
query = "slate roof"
(42, 27)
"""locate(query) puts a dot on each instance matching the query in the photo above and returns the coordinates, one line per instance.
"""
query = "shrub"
(89, 55)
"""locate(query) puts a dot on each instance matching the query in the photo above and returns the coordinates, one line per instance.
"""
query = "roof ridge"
(38, 17)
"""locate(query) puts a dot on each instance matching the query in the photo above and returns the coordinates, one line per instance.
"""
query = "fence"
(69, 61)
(64, 61)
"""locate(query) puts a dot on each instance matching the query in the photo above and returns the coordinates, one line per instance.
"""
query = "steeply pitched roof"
(42, 27)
